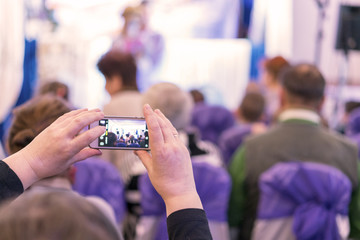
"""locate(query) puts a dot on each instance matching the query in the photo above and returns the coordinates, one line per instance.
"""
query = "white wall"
(291, 28)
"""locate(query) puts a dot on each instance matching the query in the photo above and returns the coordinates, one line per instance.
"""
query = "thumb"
(145, 158)
(85, 153)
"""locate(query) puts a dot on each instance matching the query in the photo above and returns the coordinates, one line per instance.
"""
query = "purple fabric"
(310, 192)
(211, 121)
(212, 184)
(231, 139)
(353, 126)
(96, 177)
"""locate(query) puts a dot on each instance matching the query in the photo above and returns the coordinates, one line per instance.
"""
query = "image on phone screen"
(124, 133)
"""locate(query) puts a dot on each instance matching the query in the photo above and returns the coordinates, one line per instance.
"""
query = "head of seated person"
(119, 69)
(175, 103)
(56, 88)
(252, 108)
(61, 215)
(30, 119)
(111, 139)
(197, 96)
(272, 71)
(303, 86)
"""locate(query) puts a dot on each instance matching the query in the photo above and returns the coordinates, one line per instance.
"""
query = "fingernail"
(147, 107)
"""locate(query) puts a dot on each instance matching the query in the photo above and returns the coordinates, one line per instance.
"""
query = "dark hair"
(275, 65)
(118, 63)
(252, 106)
(112, 137)
(54, 215)
(33, 117)
(53, 87)
(304, 83)
(197, 96)
(351, 105)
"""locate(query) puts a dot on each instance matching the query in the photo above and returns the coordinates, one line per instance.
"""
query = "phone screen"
(124, 133)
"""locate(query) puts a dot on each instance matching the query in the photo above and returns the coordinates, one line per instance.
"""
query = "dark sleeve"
(188, 224)
(10, 184)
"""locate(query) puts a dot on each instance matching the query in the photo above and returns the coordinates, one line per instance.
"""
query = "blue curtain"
(28, 86)
(257, 53)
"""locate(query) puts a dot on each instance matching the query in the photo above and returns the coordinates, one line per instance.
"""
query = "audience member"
(298, 136)
(210, 178)
(54, 215)
(350, 106)
(270, 79)
(56, 88)
(53, 151)
(30, 119)
(60, 145)
(119, 70)
(103, 187)
(197, 96)
(112, 138)
(250, 122)
(177, 106)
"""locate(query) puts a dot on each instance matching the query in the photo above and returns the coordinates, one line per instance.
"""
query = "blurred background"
(213, 45)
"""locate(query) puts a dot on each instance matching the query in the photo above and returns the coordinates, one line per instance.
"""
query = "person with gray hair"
(175, 103)
(177, 106)
(212, 180)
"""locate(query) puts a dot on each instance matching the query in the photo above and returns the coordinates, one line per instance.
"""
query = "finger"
(71, 114)
(85, 138)
(156, 137)
(165, 129)
(85, 153)
(84, 119)
(145, 158)
(167, 121)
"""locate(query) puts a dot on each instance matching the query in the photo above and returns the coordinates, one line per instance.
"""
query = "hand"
(169, 165)
(57, 147)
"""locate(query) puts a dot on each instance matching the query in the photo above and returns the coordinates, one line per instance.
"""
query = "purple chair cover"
(213, 185)
(211, 121)
(353, 126)
(231, 139)
(310, 192)
(96, 177)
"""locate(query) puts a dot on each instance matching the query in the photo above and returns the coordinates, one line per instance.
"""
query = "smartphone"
(122, 133)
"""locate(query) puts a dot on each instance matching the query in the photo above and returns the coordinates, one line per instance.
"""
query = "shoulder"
(340, 139)
(127, 103)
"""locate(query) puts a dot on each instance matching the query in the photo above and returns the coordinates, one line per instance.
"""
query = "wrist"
(19, 164)
(183, 201)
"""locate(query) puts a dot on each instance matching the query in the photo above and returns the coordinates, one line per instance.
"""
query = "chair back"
(213, 186)
(303, 200)
(97, 177)
(211, 121)
(231, 139)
